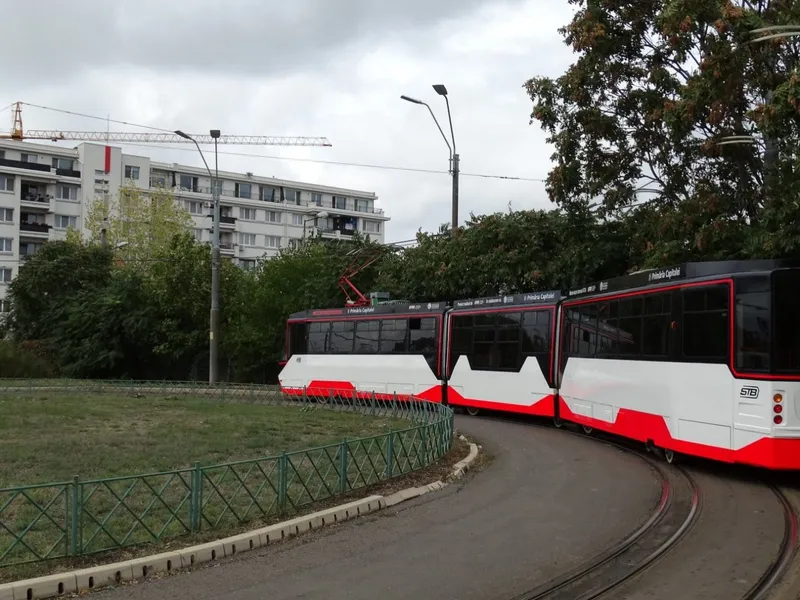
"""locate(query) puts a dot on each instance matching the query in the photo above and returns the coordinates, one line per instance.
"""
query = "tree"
(138, 223)
(638, 119)
(48, 281)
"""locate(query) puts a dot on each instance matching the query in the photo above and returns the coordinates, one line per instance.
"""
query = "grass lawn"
(56, 438)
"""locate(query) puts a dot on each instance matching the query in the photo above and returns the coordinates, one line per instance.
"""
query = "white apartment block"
(45, 189)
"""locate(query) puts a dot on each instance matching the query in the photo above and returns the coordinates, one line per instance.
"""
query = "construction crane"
(18, 133)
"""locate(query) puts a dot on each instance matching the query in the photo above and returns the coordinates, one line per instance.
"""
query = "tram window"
(786, 321)
(535, 331)
(341, 339)
(705, 323)
(318, 333)
(607, 330)
(630, 335)
(367, 334)
(753, 323)
(298, 333)
(393, 336)
(655, 335)
(423, 338)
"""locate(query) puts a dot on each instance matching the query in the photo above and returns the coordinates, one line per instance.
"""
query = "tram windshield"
(786, 321)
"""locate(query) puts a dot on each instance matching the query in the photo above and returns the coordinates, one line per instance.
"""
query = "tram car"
(700, 359)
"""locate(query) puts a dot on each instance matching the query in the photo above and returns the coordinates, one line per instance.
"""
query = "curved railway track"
(676, 512)
(786, 551)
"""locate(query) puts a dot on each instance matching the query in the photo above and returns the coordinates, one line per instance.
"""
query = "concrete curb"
(115, 573)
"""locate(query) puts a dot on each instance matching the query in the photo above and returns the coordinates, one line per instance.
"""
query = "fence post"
(194, 499)
(343, 467)
(394, 401)
(424, 445)
(390, 454)
(372, 402)
(305, 394)
(283, 467)
(74, 529)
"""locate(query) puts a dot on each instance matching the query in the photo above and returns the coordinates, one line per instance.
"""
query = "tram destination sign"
(632, 281)
(549, 297)
(380, 309)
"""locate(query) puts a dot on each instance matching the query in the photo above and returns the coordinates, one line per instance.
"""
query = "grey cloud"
(247, 37)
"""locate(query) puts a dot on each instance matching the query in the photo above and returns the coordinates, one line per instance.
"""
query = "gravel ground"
(547, 502)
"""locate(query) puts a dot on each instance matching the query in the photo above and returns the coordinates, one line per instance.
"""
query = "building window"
(248, 214)
(273, 241)
(65, 221)
(65, 192)
(297, 219)
(5, 275)
(6, 183)
(248, 264)
(268, 194)
(273, 216)
(6, 215)
(363, 205)
(158, 182)
(243, 190)
(247, 239)
(30, 158)
(195, 208)
(340, 202)
(188, 183)
(292, 196)
(371, 226)
(6, 245)
(198, 234)
(5, 306)
(316, 198)
(131, 172)
(63, 163)
(2, 153)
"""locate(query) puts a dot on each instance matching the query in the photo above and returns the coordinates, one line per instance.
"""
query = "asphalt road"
(548, 501)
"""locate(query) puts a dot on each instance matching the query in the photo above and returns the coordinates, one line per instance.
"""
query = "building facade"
(46, 189)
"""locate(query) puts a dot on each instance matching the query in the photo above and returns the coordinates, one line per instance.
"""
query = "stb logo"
(749, 391)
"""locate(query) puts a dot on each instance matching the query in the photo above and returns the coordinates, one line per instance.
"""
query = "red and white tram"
(500, 353)
(392, 350)
(701, 359)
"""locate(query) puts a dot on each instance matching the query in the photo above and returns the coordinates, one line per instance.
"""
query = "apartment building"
(46, 189)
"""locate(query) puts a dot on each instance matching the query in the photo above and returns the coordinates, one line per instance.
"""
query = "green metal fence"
(80, 517)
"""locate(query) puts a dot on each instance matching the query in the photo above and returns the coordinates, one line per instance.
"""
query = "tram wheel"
(587, 430)
(669, 456)
(558, 422)
(472, 411)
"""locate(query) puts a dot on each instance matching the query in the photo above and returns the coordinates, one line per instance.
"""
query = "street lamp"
(454, 158)
(320, 215)
(213, 333)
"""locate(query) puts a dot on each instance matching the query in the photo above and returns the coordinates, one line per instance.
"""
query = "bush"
(17, 361)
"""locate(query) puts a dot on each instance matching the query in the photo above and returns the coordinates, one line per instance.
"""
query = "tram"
(700, 359)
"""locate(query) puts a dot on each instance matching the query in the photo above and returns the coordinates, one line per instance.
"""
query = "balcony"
(20, 164)
(225, 221)
(43, 202)
(227, 248)
(68, 173)
(37, 230)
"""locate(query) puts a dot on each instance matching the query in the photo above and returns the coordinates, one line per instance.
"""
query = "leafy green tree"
(48, 281)
(137, 223)
(639, 116)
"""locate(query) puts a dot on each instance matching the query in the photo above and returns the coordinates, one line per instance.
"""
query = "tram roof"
(380, 309)
(527, 298)
(678, 273)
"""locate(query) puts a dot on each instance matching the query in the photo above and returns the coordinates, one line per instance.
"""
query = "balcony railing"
(36, 198)
(35, 227)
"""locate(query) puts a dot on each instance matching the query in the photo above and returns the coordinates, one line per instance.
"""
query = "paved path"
(548, 501)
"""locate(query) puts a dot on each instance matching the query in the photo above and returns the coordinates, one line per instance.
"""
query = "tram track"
(595, 578)
(786, 552)
(675, 513)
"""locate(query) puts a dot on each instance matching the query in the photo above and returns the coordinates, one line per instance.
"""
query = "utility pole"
(213, 326)
(455, 190)
(213, 347)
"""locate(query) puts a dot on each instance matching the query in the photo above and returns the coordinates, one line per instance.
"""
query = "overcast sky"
(333, 68)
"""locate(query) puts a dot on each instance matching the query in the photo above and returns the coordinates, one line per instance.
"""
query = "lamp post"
(213, 333)
(320, 215)
(454, 158)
